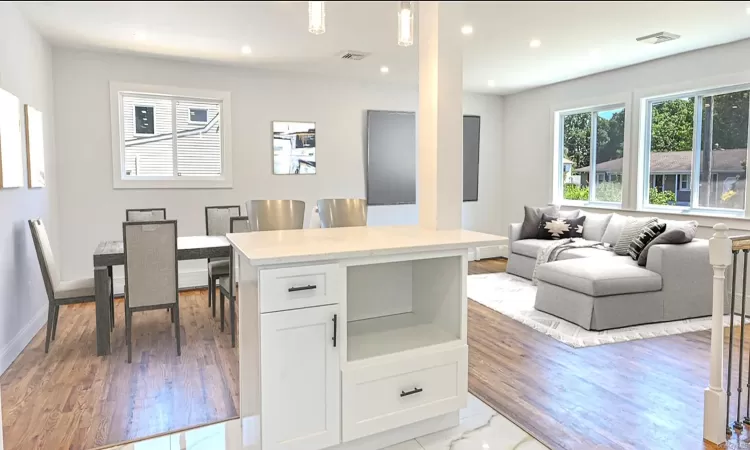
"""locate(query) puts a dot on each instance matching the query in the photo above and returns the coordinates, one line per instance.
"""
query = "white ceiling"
(578, 38)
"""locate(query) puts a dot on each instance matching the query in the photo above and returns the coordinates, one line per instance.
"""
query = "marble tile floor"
(481, 428)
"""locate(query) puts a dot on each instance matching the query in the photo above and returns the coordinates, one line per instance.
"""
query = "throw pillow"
(595, 226)
(569, 214)
(676, 233)
(614, 229)
(630, 231)
(531, 219)
(648, 234)
(560, 228)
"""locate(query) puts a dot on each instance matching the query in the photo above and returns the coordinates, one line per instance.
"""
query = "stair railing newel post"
(715, 396)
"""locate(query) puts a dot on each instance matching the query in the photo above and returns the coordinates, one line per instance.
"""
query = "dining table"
(111, 253)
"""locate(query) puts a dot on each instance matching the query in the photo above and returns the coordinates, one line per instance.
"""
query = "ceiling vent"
(353, 55)
(658, 38)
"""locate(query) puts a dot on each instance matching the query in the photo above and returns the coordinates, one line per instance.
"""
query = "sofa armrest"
(680, 260)
(514, 234)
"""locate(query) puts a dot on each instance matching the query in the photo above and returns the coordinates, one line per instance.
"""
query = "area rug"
(513, 296)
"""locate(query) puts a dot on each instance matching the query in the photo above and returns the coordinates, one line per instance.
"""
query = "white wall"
(25, 71)
(91, 210)
(527, 149)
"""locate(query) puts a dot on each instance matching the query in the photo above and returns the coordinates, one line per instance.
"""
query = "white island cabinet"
(351, 338)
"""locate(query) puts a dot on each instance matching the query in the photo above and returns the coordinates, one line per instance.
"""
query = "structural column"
(715, 396)
(440, 115)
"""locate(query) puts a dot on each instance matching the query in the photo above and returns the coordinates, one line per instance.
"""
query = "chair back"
(217, 219)
(50, 273)
(145, 215)
(342, 212)
(272, 215)
(239, 224)
(150, 263)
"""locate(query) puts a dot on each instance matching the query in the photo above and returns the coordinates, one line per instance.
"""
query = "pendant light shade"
(316, 19)
(406, 24)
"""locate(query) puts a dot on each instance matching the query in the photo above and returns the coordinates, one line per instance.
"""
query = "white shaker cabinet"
(301, 379)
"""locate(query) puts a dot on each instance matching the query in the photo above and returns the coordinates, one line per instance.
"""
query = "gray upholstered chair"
(58, 292)
(238, 224)
(217, 224)
(342, 212)
(272, 215)
(150, 272)
(145, 214)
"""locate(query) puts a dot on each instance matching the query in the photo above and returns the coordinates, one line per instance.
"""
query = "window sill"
(172, 184)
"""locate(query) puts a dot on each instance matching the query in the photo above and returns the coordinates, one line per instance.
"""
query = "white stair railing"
(715, 396)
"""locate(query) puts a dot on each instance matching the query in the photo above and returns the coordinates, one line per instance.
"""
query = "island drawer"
(377, 398)
(300, 287)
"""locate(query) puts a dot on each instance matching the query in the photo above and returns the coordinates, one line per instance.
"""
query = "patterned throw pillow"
(648, 234)
(560, 228)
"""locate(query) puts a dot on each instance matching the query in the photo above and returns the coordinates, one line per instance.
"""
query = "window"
(198, 115)
(591, 135)
(167, 137)
(698, 145)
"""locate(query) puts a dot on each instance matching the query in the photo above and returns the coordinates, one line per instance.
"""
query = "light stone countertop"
(325, 244)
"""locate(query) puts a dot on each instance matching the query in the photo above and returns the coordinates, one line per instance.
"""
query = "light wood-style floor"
(73, 399)
(645, 394)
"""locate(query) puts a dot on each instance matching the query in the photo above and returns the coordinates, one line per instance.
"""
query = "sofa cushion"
(592, 277)
(530, 247)
(586, 252)
(560, 227)
(595, 225)
(630, 232)
(614, 229)
(677, 232)
(532, 217)
(648, 234)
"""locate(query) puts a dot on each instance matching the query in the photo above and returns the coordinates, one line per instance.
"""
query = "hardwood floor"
(645, 394)
(78, 400)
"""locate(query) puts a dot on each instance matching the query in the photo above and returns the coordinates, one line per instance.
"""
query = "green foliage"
(605, 192)
(657, 197)
(577, 138)
(672, 125)
(575, 192)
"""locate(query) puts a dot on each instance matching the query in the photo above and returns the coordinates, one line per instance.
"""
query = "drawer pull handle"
(335, 326)
(309, 287)
(412, 392)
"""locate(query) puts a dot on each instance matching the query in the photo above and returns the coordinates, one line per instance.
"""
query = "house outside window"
(590, 145)
(169, 138)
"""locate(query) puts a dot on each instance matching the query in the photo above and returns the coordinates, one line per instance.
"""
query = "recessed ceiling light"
(383, 69)
(491, 83)
(140, 35)
(246, 50)
(535, 43)
(467, 29)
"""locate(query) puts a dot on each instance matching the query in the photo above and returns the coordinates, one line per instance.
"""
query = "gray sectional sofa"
(598, 290)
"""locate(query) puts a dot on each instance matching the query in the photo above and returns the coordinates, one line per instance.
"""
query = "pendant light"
(316, 17)
(406, 24)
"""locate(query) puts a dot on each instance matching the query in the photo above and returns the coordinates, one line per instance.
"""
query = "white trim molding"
(119, 181)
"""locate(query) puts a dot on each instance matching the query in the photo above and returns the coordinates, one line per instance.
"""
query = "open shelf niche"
(398, 306)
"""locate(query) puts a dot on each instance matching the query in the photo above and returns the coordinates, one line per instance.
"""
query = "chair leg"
(212, 293)
(221, 312)
(232, 318)
(50, 321)
(54, 322)
(111, 297)
(129, 333)
(209, 291)
(177, 332)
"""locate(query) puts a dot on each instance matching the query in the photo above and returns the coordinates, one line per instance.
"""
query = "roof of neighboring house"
(680, 162)
(168, 136)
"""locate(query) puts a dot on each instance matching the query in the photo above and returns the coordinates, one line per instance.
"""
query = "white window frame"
(135, 120)
(683, 177)
(197, 122)
(594, 105)
(646, 102)
(122, 181)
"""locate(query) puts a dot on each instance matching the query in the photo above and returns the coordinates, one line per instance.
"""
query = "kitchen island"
(351, 338)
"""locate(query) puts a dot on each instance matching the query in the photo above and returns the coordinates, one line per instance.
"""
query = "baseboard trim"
(495, 251)
(187, 279)
(14, 348)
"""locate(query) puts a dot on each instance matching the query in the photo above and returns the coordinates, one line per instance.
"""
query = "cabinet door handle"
(412, 392)
(335, 323)
(309, 287)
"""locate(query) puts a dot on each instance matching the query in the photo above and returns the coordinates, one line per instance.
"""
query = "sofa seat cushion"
(597, 278)
(577, 253)
(530, 247)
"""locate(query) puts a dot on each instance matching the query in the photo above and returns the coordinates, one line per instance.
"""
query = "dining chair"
(58, 292)
(238, 224)
(150, 272)
(342, 212)
(145, 214)
(217, 224)
(273, 215)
